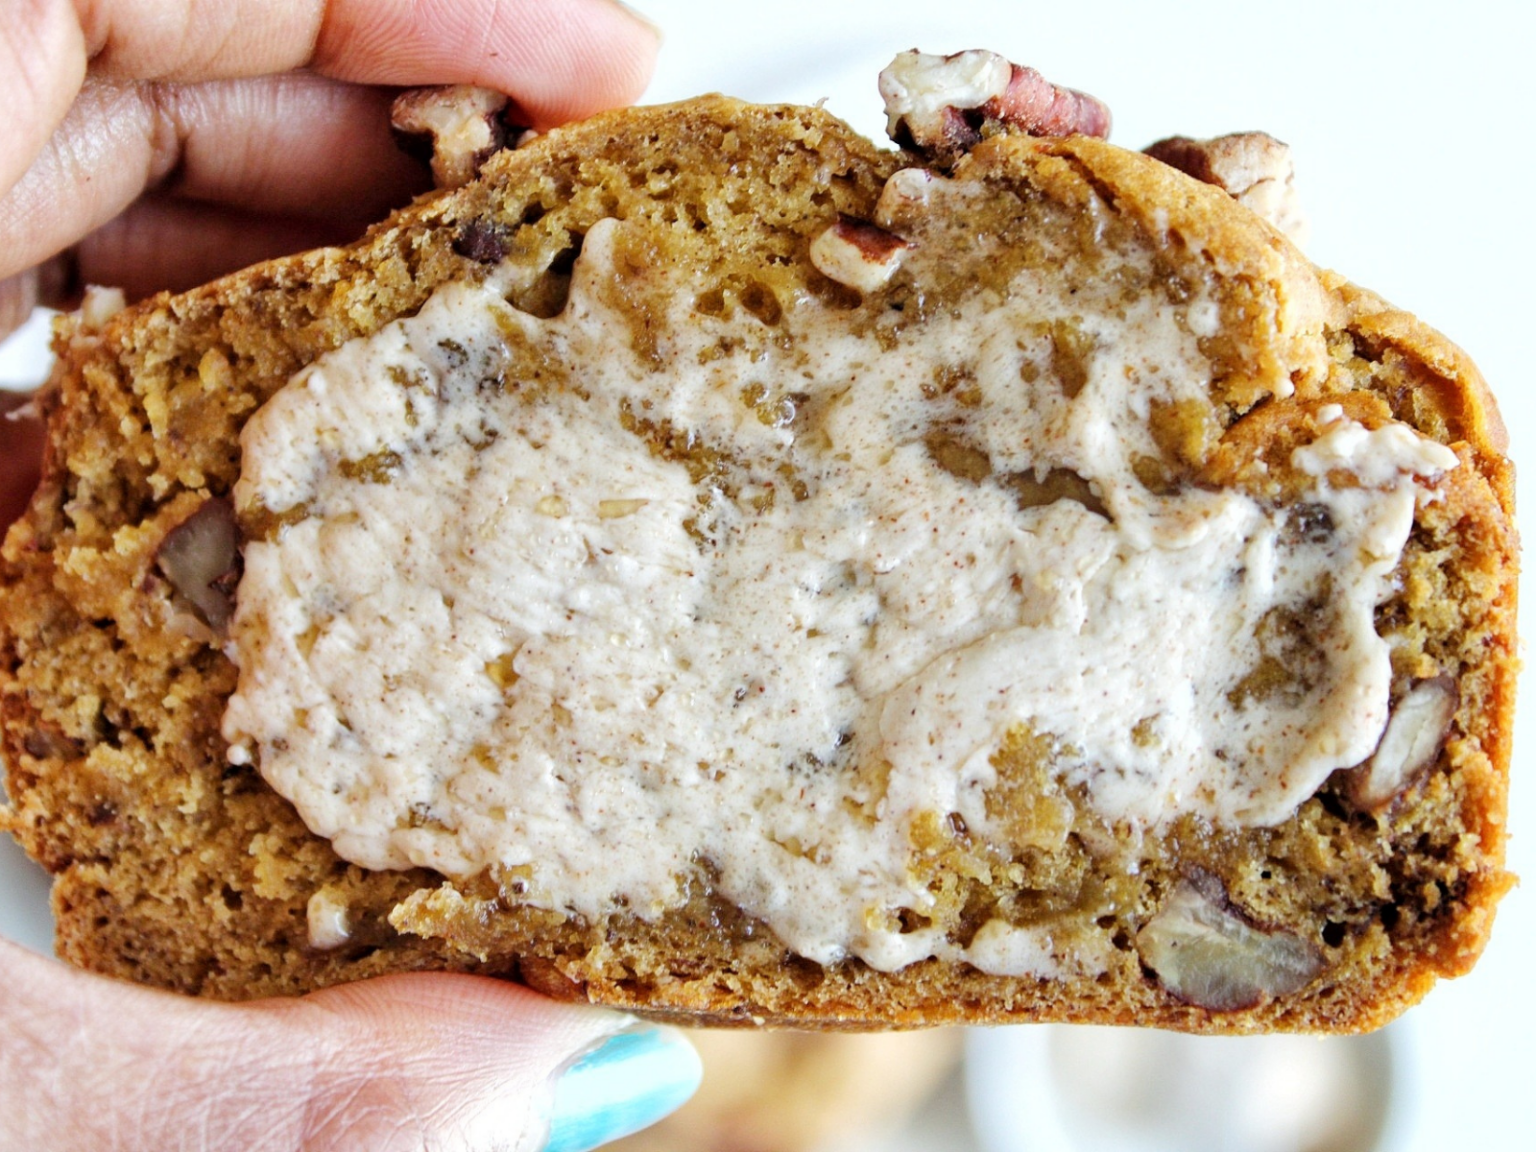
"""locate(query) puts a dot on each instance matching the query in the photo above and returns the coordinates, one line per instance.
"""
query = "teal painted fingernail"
(634, 1079)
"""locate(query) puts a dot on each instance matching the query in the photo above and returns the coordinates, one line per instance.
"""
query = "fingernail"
(634, 1079)
(636, 14)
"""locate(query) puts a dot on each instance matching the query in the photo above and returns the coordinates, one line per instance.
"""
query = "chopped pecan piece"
(1208, 953)
(1253, 168)
(201, 559)
(1414, 735)
(943, 104)
(328, 919)
(904, 198)
(461, 125)
(49, 742)
(483, 241)
(857, 254)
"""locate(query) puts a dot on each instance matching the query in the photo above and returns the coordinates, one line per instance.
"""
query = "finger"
(21, 454)
(557, 60)
(292, 145)
(623, 1082)
(563, 57)
(286, 144)
(42, 62)
(44, 284)
(165, 244)
(297, 144)
(406, 1062)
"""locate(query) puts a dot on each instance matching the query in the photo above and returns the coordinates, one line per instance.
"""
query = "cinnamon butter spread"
(599, 618)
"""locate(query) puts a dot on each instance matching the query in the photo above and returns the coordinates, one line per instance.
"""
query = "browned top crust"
(176, 868)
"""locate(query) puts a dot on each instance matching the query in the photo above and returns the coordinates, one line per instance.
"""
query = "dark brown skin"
(158, 145)
(21, 453)
(874, 242)
(1034, 105)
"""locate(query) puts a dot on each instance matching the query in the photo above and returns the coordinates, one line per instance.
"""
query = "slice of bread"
(711, 566)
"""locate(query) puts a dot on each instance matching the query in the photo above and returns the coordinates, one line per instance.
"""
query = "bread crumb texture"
(175, 867)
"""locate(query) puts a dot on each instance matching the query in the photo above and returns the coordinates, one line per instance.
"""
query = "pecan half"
(459, 126)
(1207, 952)
(1411, 742)
(943, 105)
(49, 742)
(201, 559)
(1253, 168)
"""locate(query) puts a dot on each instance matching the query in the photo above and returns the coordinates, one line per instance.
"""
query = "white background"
(1411, 125)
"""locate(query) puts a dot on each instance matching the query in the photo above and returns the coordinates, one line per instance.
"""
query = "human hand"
(152, 144)
(155, 144)
(21, 450)
(397, 1064)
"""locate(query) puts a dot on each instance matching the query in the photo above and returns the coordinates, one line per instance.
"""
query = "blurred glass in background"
(1083, 1089)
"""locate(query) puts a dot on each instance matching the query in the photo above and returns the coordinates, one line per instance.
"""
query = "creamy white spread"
(500, 631)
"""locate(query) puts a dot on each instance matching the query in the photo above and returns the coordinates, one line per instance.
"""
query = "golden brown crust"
(1199, 217)
(176, 868)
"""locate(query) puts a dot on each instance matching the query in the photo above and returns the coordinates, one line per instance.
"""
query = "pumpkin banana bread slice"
(712, 566)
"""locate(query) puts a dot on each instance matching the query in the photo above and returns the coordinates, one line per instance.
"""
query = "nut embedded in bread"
(712, 566)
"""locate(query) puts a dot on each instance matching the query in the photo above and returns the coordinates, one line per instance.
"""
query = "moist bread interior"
(176, 867)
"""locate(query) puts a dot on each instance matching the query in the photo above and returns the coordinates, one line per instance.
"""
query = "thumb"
(436, 1060)
(424, 1061)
